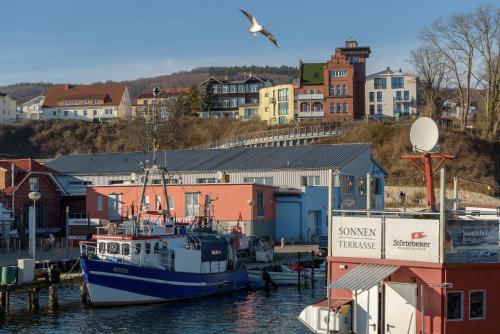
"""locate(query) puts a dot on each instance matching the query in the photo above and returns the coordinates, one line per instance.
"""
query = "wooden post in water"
(312, 270)
(83, 293)
(4, 301)
(298, 269)
(53, 296)
(34, 299)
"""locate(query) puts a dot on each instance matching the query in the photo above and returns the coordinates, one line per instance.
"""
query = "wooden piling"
(34, 299)
(4, 301)
(53, 301)
(312, 270)
(298, 270)
(83, 293)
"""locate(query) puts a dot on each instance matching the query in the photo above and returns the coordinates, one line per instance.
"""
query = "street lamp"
(34, 196)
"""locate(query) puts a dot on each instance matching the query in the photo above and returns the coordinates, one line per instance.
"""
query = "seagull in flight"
(255, 27)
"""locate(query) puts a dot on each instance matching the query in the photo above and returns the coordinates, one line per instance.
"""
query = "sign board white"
(83, 221)
(412, 239)
(357, 237)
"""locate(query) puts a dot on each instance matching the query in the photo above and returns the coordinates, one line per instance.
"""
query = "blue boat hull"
(111, 283)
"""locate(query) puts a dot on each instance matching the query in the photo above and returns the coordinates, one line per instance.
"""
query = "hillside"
(25, 91)
(476, 159)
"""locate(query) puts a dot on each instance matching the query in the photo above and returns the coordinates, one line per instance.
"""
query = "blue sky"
(95, 40)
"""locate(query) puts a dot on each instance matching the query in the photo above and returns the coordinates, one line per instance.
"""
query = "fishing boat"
(120, 268)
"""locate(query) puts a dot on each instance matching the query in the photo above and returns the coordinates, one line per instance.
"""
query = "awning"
(364, 276)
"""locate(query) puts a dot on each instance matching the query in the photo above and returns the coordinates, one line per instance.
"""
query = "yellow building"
(247, 110)
(276, 104)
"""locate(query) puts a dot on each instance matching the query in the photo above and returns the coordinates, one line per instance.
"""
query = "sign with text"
(412, 239)
(469, 241)
(357, 237)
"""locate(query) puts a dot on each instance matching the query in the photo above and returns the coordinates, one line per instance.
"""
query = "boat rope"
(71, 270)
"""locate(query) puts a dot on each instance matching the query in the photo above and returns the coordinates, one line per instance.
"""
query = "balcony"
(310, 114)
(272, 100)
(308, 97)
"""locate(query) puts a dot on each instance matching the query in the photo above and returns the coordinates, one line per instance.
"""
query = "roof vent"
(388, 68)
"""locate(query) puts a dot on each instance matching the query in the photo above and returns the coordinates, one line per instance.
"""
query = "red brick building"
(18, 177)
(335, 89)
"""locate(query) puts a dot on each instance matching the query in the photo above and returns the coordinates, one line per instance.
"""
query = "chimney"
(226, 77)
(388, 68)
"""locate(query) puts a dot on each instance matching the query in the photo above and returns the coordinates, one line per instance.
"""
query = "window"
(111, 182)
(241, 88)
(192, 204)
(379, 83)
(225, 89)
(108, 111)
(397, 108)
(455, 301)
(113, 248)
(158, 202)
(54, 113)
(345, 108)
(234, 102)
(137, 248)
(65, 113)
(372, 96)
(260, 203)
(233, 88)
(241, 100)
(85, 113)
(206, 180)
(407, 95)
(377, 186)
(311, 91)
(95, 112)
(283, 94)
(344, 89)
(147, 249)
(102, 247)
(282, 120)
(95, 101)
(114, 205)
(156, 247)
(147, 203)
(362, 185)
(338, 90)
(406, 108)
(65, 102)
(379, 96)
(332, 107)
(372, 109)
(379, 108)
(283, 108)
(259, 180)
(339, 108)
(336, 74)
(86, 101)
(397, 82)
(332, 90)
(253, 100)
(125, 249)
(398, 95)
(99, 202)
(34, 184)
(254, 88)
(347, 184)
(171, 202)
(249, 112)
(477, 305)
(310, 181)
(225, 103)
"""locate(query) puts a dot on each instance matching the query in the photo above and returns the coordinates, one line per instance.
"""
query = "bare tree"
(429, 66)
(486, 20)
(455, 40)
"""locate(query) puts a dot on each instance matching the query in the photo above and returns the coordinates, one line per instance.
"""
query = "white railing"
(301, 97)
(306, 114)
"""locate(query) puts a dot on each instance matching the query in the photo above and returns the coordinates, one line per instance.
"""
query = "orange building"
(252, 204)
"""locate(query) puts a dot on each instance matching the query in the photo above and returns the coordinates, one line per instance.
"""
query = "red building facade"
(335, 88)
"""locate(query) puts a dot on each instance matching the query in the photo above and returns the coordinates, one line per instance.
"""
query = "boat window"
(148, 248)
(125, 249)
(164, 244)
(157, 247)
(113, 248)
(137, 248)
(102, 248)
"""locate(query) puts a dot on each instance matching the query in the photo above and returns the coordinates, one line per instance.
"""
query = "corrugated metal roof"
(364, 276)
(258, 158)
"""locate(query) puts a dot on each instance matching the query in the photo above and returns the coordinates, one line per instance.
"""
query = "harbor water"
(258, 311)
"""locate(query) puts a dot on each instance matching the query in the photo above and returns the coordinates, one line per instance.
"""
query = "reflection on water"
(243, 312)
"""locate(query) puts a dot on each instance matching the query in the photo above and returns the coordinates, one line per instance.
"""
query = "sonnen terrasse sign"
(357, 237)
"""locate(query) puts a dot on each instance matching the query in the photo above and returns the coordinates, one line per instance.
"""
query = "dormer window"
(86, 101)
(95, 101)
(75, 102)
(65, 102)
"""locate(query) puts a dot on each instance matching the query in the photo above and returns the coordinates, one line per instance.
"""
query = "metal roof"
(257, 158)
(364, 276)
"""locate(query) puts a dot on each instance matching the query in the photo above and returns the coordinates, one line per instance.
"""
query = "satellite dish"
(424, 135)
(133, 177)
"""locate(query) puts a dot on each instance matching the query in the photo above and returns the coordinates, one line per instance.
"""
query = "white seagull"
(255, 27)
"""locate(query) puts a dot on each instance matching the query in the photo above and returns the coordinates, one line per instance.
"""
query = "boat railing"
(88, 248)
(193, 242)
(113, 230)
(166, 258)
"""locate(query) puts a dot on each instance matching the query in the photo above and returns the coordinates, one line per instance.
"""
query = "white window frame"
(461, 305)
(34, 181)
(100, 206)
(484, 304)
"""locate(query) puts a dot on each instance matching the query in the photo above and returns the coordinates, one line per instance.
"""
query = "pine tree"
(209, 99)
(194, 101)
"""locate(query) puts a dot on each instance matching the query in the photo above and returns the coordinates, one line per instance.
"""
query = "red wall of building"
(464, 278)
(338, 62)
(228, 200)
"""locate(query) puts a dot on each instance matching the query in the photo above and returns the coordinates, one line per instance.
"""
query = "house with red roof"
(97, 102)
(19, 177)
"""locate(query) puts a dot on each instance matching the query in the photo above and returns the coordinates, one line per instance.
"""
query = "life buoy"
(113, 248)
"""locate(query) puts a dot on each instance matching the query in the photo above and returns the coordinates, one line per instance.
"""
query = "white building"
(390, 93)
(7, 108)
(31, 109)
(99, 102)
